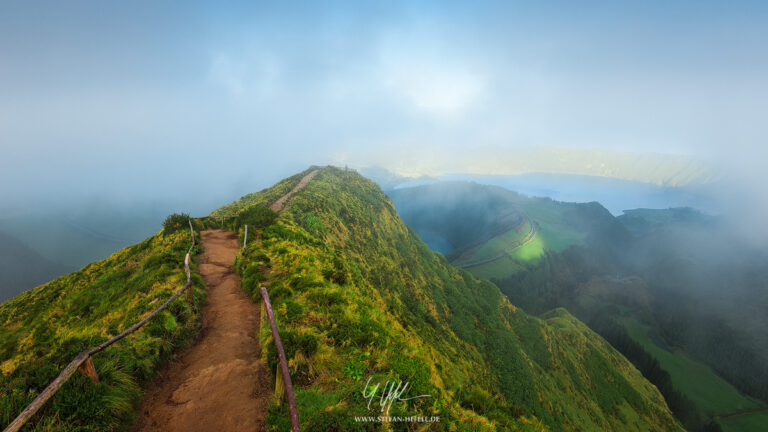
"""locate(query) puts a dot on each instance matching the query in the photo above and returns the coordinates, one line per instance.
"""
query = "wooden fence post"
(245, 237)
(190, 290)
(279, 387)
(89, 370)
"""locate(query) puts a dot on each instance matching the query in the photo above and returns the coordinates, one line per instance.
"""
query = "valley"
(582, 257)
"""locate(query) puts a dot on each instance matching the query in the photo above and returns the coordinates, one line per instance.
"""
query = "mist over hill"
(21, 268)
(615, 194)
(664, 285)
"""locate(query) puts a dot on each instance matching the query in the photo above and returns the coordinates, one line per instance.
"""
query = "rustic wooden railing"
(84, 362)
(283, 362)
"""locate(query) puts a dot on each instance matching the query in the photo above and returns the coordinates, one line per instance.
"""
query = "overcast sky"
(136, 100)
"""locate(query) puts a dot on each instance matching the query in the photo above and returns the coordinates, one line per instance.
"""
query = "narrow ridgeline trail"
(281, 203)
(218, 384)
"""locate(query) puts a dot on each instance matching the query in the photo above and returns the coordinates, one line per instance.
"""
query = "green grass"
(747, 423)
(497, 269)
(496, 245)
(710, 393)
(44, 328)
(358, 294)
(554, 233)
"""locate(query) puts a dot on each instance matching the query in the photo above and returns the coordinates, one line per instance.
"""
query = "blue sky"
(126, 99)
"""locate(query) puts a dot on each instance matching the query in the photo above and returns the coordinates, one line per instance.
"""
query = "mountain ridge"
(357, 296)
(332, 232)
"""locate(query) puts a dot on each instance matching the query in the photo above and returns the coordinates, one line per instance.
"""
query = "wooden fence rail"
(283, 362)
(83, 361)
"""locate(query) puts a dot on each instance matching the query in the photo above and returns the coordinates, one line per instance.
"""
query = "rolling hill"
(358, 297)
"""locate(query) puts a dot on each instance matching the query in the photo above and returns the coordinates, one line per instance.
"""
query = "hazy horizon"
(188, 103)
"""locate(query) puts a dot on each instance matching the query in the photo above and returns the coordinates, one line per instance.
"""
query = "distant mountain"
(384, 178)
(666, 170)
(81, 233)
(645, 221)
(21, 268)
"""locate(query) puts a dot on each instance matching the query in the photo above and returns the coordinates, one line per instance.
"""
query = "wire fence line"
(83, 361)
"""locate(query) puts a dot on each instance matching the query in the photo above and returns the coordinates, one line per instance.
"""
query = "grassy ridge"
(358, 295)
(45, 328)
(265, 197)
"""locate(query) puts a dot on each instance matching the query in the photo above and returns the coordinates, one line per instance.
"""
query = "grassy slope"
(496, 245)
(704, 387)
(45, 328)
(557, 223)
(710, 393)
(359, 295)
(746, 423)
(555, 233)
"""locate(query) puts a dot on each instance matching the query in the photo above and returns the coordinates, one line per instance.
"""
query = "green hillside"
(44, 328)
(358, 295)
(464, 220)
(439, 210)
(707, 390)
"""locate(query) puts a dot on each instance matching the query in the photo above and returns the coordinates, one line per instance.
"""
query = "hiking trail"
(218, 384)
(280, 204)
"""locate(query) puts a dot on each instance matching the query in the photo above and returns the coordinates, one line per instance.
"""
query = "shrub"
(175, 222)
(257, 217)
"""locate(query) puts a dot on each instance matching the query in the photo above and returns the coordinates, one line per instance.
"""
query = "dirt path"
(218, 384)
(278, 205)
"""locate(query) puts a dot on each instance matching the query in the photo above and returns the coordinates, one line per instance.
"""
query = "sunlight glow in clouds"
(117, 99)
(436, 90)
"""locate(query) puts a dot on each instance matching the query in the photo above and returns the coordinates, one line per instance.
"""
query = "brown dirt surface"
(278, 205)
(218, 384)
